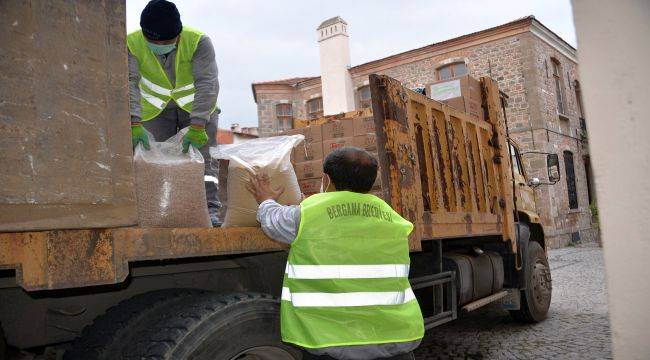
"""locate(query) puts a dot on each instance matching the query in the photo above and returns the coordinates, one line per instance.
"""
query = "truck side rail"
(47, 260)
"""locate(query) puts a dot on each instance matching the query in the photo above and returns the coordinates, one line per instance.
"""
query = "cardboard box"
(309, 169)
(333, 144)
(312, 133)
(465, 86)
(367, 142)
(457, 103)
(475, 109)
(307, 152)
(471, 107)
(310, 186)
(364, 125)
(336, 129)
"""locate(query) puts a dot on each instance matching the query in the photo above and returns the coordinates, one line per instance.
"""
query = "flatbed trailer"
(108, 293)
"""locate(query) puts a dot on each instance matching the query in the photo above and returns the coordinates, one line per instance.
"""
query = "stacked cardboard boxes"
(462, 93)
(307, 158)
(365, 137)
(321, 140)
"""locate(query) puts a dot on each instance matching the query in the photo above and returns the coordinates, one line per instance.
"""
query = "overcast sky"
(269, 40)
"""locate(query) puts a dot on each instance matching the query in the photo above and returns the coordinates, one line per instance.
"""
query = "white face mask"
(322, 181)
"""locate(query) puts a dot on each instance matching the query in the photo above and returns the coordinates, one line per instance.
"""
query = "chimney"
(338, 94)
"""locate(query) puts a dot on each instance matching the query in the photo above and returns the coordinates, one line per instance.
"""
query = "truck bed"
(442, 170)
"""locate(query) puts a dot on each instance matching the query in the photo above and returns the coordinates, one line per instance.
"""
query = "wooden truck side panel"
(447, 173)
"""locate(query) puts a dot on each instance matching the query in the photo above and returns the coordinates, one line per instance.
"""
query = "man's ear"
(328, 180)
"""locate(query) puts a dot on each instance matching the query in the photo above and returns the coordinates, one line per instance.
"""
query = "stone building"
(536, 69)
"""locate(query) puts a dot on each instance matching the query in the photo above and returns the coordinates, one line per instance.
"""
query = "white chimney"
(336, 81)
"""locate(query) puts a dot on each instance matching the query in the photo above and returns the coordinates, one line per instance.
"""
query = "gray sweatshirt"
(206, 82)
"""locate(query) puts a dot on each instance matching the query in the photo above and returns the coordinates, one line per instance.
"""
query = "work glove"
(138, 135)
(196, 137)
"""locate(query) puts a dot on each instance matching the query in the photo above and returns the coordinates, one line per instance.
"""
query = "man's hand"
(138, 135)
(196, 136)
(260, 186)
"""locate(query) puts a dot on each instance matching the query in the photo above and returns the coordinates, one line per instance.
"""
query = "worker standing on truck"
(346, 293)
(169, 61)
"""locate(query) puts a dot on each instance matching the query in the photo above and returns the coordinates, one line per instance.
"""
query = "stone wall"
(556, 134)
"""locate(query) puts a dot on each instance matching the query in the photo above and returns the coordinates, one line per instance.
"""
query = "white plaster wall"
(613, 51)
(338, 94)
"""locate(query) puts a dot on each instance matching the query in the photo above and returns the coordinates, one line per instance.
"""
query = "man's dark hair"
(352, 169)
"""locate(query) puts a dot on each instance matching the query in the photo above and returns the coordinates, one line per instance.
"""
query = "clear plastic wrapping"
(270, 155)
(169, 185)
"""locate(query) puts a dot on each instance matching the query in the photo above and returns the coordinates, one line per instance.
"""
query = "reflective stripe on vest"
(346, 279)
(346, 271)
(155, 88)
(158, 103)
(311, 299)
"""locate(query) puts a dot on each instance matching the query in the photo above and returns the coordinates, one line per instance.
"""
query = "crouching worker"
(346, 293)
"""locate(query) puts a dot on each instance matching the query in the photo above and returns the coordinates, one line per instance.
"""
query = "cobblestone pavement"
(577, 326)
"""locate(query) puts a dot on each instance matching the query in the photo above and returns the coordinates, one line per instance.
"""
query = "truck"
(213, 293)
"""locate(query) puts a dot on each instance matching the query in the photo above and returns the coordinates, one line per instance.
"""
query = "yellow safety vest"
(155, 88)
(346, 281)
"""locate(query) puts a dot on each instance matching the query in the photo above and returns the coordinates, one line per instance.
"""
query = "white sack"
(269, 155)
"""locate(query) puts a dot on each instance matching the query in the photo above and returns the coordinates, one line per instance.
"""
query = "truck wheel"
(228, 327)
(3, 345)
(536, 298)
(109, 333)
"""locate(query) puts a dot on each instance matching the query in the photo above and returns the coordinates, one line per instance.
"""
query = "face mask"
(323, 188)
(159, 49)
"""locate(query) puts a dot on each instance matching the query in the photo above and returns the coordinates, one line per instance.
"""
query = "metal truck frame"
(212, 293)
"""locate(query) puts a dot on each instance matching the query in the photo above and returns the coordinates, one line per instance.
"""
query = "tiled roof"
(291, 81)
(528, 18)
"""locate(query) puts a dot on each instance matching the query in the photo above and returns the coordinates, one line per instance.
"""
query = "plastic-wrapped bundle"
(170, 185)
(270, 155)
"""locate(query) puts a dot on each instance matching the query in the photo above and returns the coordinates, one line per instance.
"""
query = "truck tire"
(3, 345)
(536, 298)
(225, 327)
(110, 332)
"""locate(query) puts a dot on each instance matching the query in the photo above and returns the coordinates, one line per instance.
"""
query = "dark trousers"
(173, 119)
(308, 356)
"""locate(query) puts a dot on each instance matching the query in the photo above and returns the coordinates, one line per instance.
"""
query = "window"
(589, 177)
(452, 70)
(284, 117)
(571, 180)
(315, 108)
(516, 160)
(576, 85)
(559, 89)
(364, 97)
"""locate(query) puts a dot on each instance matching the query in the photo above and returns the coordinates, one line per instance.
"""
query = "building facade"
(536, 69)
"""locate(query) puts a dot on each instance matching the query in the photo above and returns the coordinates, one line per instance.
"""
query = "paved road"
(577, 326)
